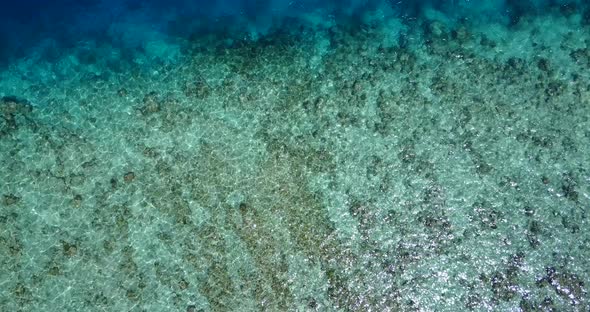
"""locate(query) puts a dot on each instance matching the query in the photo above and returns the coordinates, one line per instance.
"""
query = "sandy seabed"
(326, 171)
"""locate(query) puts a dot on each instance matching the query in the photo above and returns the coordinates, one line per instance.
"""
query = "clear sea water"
(274, 155)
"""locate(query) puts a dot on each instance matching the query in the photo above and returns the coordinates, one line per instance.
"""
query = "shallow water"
(418, 163)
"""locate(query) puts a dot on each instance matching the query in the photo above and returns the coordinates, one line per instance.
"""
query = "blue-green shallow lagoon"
(407, 165)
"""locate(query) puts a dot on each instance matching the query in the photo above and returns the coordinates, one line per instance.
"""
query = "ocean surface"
(295, 155)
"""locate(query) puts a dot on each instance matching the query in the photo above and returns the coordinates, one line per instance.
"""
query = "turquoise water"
(435, 159)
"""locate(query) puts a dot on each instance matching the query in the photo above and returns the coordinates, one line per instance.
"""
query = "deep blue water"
(23, 24)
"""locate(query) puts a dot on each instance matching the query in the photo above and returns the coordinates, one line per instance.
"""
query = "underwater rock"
(129, 177)
(77, 201)
(15, 105)
(10, 199)
(461, 34)
(487, 42)
(69, 249)
(543, 64)
(151, 104)
(581, 56)
(199, 89)
(436, 30)
(567, 285)
(11, 107)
